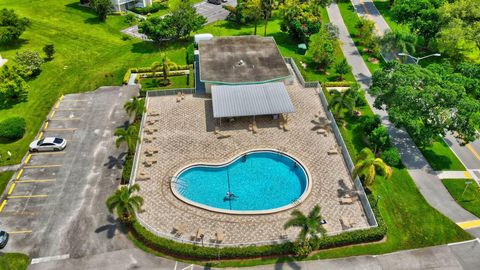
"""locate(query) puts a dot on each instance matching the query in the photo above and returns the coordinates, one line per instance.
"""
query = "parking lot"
(214, 12)
(56, 206)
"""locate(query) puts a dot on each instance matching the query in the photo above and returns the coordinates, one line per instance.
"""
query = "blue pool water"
(260, 180)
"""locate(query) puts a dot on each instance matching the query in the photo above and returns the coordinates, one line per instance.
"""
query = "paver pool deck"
(186, 135)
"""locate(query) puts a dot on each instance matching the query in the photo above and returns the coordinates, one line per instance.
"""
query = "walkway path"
(424, 176)
(9, 168)
(367, 9)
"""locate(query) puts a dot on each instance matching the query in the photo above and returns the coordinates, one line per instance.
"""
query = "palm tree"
(367, 166)
(341, 101)
(310, 226)
(164, 65)
(135, 106)
(129, 136)
(124, 203)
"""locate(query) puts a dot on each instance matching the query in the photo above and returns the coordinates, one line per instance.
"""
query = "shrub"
(156, 6)
(369, 123)
(190, 54)
(130, 19)
(126, 77)
(379, 138)
(127, 169)
(391, 157)
(12, 128)
(339, 84)
(30, 61)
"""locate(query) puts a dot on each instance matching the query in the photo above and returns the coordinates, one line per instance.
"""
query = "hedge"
(127, 169)
(190, 54)
(12, 128)
(160, 74)
(126, 77)
(189, 251)
(339, 84)
(172, 68)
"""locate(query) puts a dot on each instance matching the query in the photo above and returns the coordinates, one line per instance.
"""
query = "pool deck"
(183, 133)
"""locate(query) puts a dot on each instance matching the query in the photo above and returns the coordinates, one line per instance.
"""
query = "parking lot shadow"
(115, 161)
(113, 226)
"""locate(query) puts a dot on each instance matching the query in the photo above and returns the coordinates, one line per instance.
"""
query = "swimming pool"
(256, 182)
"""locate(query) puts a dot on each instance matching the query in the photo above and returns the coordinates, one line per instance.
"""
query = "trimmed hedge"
(160, 74)
(127, 169)
(190, 54)
(12, 128)
(126, 77)
(339, 84)
(172, 68)
(189, 251)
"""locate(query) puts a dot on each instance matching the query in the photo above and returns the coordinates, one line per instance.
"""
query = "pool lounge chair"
(219, 236)
(199, 235)
(179, 230)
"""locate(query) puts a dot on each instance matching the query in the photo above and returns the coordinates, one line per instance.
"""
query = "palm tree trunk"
(255, 29)
(266, 23)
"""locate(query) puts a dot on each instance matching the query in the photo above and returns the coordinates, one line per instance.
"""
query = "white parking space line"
(50, 258)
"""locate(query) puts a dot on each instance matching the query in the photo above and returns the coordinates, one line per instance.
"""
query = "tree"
(136, 107)
(399, 41)
(342, 68)
(129, 136)
(49, 50)
(13, 87)
(322, 48)
(365, 28)
(124, 203)
(310, 226)
(379, 139)
(30, 63)
(11, 26)
(426, 102)
(299, 20)
(341, 101)
(183, 20)
(459, 36)
(367, 166)
(252, 9)
(102, 8)
(267, 8)
(164, 65)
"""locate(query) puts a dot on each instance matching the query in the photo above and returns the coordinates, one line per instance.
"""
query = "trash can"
(302, 48)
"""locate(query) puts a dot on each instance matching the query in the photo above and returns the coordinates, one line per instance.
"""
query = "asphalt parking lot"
(57, 204)
(214, 12)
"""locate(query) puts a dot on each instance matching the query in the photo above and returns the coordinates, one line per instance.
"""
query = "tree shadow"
(112, 227)
(13, 45)
(287, 263)
(115, 162)
(77, 6)
(92, 20)
(145, 47)
(437, 162)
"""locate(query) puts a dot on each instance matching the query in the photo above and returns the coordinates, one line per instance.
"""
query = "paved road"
(425, 178)
(468, 154)
(210, 11)
(367, 9)
(57, 207)
(457, 256)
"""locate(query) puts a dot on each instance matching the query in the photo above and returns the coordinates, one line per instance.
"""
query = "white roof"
(249, 100)
(48, 139)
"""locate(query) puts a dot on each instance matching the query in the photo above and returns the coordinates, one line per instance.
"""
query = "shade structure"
(250, 100)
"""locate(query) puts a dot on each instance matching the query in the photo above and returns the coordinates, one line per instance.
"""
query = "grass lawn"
(175, 82)
(15, 261)
(384, 9)
(89, 54)
(286, 45)
(350, 18)
(470, 200)
(441, 157)
(4, 179)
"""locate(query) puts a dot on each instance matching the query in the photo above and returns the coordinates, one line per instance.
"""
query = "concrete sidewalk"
(424, 176)
(367, 9)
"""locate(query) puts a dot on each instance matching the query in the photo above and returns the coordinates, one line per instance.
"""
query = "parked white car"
(48, 144)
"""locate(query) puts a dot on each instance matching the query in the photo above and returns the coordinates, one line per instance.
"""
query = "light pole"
(417, 59)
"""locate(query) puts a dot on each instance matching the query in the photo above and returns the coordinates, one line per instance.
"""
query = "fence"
(169, 92)
(336, 131)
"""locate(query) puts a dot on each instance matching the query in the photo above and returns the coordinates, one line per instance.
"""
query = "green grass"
(441, 157)
(286, 45)
(350, 18)
(470, 200)
(4, 179)
(15, 261)
(175, 82)
(89, 54)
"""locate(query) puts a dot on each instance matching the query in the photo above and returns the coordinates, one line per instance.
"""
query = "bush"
(339, 84)
(156, 6)
(391, 157)
(126, 77)
(379, 138)
(369, 123)
(130, 19)
(127, 169)
(12, 128)
(190, 54)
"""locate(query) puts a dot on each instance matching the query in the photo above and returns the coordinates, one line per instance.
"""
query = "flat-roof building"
(245, 75)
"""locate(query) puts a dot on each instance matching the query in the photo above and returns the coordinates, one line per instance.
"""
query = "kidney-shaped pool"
(257, 182)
